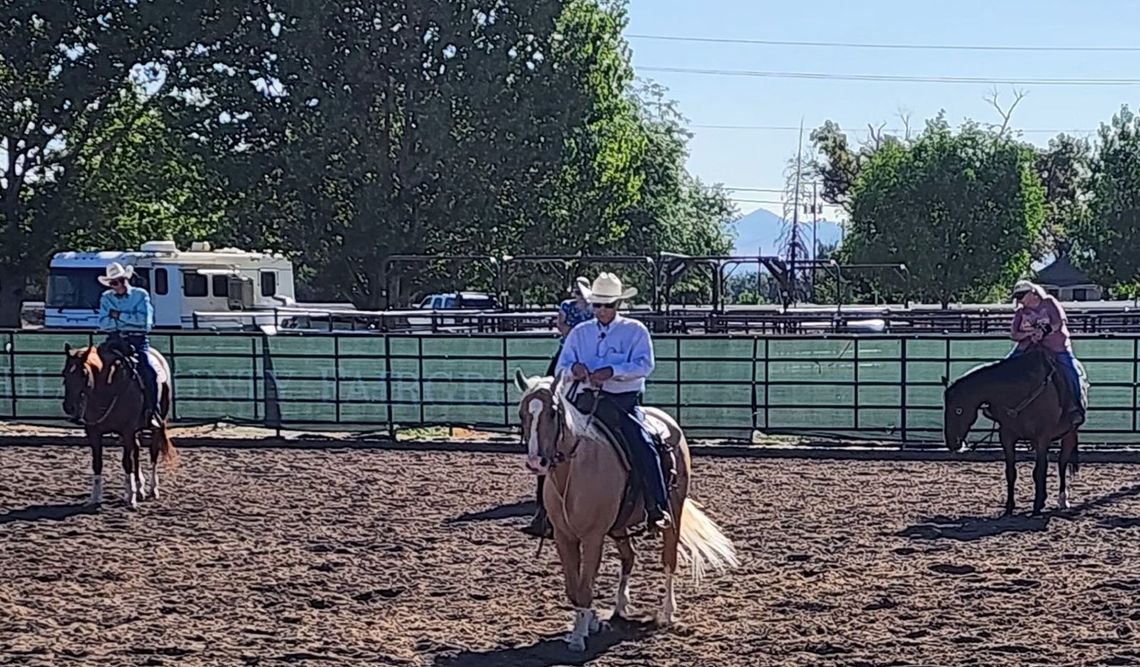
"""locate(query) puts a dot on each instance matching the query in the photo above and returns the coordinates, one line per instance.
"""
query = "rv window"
(268, 283)
(161, 282)
(221, 285)
(194, 284)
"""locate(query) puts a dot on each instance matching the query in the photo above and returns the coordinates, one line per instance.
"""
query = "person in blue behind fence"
(127, 317)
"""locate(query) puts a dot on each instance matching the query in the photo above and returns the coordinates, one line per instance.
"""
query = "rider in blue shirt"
(127, 316)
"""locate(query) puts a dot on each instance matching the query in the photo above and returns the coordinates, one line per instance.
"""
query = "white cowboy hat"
(607, 288)
(582, 284)
(116, 271)
(1023, 287)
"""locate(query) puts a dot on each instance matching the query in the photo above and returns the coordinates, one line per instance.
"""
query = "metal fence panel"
(716, 385)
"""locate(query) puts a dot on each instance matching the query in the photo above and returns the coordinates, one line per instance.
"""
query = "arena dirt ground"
(275, 556)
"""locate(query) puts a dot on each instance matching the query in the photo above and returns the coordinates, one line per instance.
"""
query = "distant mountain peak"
(765, 232)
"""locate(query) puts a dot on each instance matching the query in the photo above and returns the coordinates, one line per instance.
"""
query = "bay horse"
(1025, 395)
(105, 395)
(583, 495)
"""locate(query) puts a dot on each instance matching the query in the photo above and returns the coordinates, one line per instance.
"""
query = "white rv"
(181, 283)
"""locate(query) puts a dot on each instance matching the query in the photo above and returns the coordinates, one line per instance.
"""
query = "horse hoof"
(664, 620)
(597, 625)
(576, 644)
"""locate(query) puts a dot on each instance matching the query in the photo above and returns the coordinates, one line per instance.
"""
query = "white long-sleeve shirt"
(622, 345)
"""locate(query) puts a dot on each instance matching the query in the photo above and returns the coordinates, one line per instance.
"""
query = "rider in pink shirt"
(1040, 320)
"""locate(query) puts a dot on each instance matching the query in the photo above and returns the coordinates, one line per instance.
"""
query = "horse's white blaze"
(96, 490)
(622, 595)
(535, 408)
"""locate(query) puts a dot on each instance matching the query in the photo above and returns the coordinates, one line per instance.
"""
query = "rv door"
(166, 295)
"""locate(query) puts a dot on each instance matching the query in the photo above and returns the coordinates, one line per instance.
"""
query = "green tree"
(392, 129)
(68, 73)
(963, 211)
(1063, 167)
(1108, 244)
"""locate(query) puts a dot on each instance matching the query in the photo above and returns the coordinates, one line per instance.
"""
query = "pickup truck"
(477, 301)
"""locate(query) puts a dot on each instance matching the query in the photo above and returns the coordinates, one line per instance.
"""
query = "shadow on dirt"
(58, 512)
(510, 511)
(551, 651)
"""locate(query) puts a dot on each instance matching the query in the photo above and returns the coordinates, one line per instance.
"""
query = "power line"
(873, 45)
(792, 128)
(895, 78)
(755, 189)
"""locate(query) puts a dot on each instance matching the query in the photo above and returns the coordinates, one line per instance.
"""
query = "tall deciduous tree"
(962, 211)
(1109, 239)
(1063, 167)
(67, 74)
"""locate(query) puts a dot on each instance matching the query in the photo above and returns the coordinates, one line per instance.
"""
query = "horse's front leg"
(570, 555)
(1068, 450)
(1009, 448)
(130, 442)
(95, 443)
(1040, 472)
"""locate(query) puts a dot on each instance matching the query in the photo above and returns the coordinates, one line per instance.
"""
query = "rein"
(1017, 409)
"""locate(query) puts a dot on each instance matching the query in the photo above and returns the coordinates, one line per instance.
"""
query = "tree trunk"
(12, 289)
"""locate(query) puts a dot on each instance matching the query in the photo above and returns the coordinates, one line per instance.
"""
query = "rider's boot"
(657, 518)
(539, 525)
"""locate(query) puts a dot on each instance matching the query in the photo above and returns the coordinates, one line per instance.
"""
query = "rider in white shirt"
(613, 355)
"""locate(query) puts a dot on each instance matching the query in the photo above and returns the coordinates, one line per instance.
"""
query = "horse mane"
(578, 423)
(87, 356)
(1016, 370)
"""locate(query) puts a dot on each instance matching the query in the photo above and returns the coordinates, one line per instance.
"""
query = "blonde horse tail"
(703, 545)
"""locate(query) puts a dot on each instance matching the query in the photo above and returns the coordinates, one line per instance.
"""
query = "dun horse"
(103, 394)
(1025, 396)
(586, 478)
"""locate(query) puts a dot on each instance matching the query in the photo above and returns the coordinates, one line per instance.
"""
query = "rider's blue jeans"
(623, 410)
(141, 344)
(1068, 365)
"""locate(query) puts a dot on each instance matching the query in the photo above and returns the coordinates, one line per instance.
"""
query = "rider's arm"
(1016, 332)
(569, 355)
(1056, 314)
(141, 314)
(563, 327)
(639, 363)
(106, 322)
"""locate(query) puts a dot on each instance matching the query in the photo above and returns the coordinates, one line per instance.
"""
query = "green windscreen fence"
(879, 387)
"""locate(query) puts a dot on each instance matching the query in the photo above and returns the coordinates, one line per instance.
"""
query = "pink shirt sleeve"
(1055, 313)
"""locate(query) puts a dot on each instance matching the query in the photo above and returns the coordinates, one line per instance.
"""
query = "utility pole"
(794, 246)
(814, 234)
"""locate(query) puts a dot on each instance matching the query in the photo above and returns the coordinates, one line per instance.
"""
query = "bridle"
(556, 405)
(90, 378)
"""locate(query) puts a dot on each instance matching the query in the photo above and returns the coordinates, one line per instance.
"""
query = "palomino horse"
(1025, 396)
(102, 394)
(583, 497)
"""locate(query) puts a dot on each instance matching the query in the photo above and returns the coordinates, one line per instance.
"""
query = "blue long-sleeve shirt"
(136, 314)
(623, 345)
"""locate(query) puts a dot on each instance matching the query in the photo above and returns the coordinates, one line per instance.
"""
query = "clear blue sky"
(756, 158)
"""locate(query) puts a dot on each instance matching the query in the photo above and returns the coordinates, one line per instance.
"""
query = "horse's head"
(959, 415)
(539, 417)
(80, 369)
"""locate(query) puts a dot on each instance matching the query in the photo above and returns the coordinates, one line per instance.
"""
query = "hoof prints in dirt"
(271, 556)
